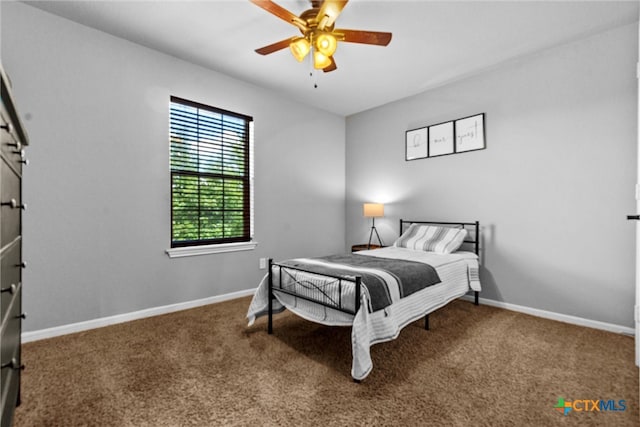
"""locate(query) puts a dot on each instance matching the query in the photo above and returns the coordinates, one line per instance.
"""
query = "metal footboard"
(301, 286)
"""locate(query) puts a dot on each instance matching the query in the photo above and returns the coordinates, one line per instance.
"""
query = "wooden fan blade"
(275, 46)
(281, 13)
(366, 37)
(331, 67)
(329, 12)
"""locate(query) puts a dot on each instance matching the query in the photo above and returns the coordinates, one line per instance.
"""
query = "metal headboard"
(473, 230)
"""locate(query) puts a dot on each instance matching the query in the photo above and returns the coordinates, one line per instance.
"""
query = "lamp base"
(374, 230)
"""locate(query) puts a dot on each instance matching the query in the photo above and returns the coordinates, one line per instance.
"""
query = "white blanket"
(458, 273)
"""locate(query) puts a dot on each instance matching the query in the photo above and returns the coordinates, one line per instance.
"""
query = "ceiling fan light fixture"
(319, 36)
(320, 60)
(300, 47)
(326, 44)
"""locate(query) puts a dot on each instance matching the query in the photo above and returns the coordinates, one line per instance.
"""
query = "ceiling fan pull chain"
(311, 73)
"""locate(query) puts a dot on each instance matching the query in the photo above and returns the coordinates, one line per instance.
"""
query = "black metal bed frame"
(356, 280)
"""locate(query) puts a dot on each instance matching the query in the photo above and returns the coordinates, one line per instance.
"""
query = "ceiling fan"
(318, 33)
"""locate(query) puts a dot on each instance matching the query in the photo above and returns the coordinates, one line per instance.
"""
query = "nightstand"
(364, 247)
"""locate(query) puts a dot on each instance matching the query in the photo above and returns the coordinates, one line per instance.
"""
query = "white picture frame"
(441, 140)
(469, 133)
(416, 144)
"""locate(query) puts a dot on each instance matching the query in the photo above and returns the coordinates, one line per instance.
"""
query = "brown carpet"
(477, 366)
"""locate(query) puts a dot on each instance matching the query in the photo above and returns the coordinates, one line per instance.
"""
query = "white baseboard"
(127, 317)
(618, 329)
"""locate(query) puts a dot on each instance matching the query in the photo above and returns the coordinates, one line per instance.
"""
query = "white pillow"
(431, 238)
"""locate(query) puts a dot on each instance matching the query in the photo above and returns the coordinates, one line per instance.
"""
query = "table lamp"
(373, 211)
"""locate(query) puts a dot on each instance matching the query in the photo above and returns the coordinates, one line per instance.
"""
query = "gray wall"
(98, 223)
(552, 188)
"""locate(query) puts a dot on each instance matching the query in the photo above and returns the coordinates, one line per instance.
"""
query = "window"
(210, 175)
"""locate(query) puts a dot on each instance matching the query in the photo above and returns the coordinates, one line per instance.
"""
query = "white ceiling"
(433, 42)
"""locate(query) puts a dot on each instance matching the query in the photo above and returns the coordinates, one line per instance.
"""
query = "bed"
(377, 292)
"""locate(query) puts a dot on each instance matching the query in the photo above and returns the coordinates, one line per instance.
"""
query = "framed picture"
(470, 133)
(441, 139)
(416, 144)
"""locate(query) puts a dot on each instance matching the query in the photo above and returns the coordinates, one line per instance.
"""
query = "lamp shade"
(300, 48)
(373, 210)
(320, 61)
(326, 44)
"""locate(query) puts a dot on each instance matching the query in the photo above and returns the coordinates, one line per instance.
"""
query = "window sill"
(210, 249)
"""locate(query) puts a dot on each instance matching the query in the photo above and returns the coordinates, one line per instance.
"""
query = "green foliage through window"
(210, 175)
